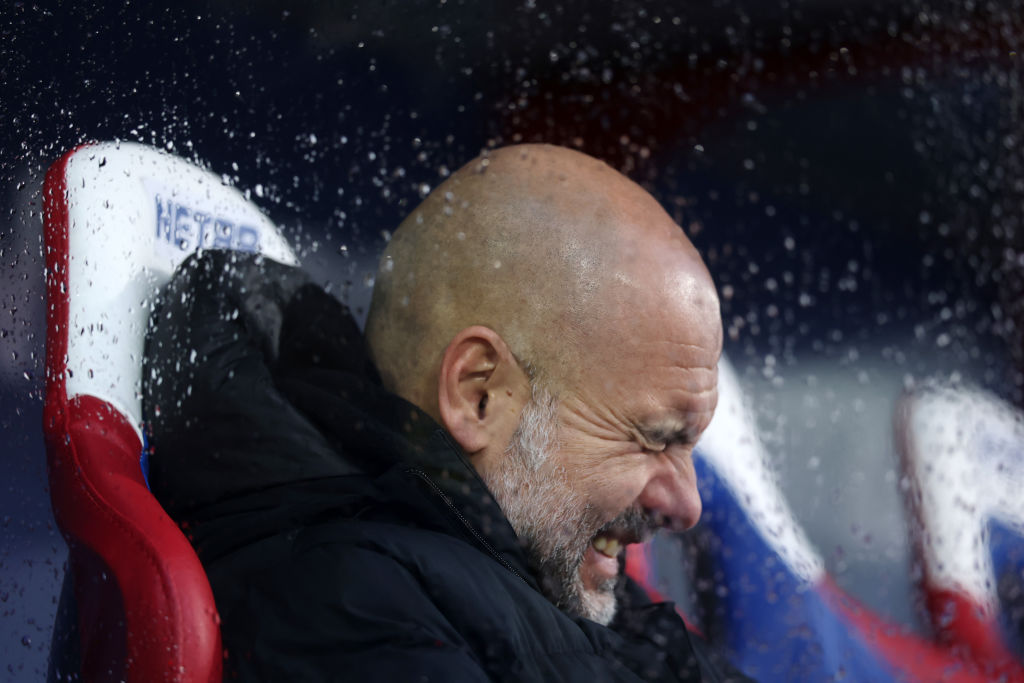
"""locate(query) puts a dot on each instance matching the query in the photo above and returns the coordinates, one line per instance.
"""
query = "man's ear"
(481, 391)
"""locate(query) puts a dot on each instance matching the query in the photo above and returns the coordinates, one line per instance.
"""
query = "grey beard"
(554, 523)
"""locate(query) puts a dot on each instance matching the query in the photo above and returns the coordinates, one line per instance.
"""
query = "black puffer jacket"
(345, 535)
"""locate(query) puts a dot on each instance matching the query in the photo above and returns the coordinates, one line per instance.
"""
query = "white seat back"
(134, 213)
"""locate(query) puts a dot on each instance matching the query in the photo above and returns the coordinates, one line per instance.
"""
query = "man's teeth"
(607, 546)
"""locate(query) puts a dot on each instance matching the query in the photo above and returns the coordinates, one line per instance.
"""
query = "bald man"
(451, 500)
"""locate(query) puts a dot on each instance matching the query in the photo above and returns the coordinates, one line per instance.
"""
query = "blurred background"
(852, 172)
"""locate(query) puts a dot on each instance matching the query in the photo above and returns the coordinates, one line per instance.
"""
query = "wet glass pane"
(850, 172)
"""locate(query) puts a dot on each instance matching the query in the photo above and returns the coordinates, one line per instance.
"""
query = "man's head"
(549, 313)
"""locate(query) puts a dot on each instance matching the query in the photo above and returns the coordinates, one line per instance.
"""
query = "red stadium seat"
(119, 218)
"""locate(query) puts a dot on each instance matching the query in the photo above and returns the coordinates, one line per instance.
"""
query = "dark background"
(852, 172)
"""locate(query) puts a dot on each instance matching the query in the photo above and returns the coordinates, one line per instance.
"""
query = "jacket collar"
(453, 489)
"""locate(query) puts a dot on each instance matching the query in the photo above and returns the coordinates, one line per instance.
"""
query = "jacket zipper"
(465, 522)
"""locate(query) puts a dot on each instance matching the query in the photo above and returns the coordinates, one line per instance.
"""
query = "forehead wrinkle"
(694, 380)
(688, 357)
(678, 413)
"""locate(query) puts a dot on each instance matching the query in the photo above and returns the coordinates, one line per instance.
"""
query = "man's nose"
(672, 496)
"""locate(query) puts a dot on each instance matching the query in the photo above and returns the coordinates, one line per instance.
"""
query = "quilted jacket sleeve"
(319, 615)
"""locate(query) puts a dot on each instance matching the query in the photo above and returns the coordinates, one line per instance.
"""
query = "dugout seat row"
(120, 217)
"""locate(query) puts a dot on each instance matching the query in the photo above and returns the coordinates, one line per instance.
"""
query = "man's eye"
(653, 441)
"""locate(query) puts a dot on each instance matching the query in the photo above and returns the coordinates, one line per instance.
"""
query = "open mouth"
(633, 526)
(610, 542)
(602, 560)
(607, 545)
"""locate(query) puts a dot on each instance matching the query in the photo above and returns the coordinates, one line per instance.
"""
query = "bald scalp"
(539, 243)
